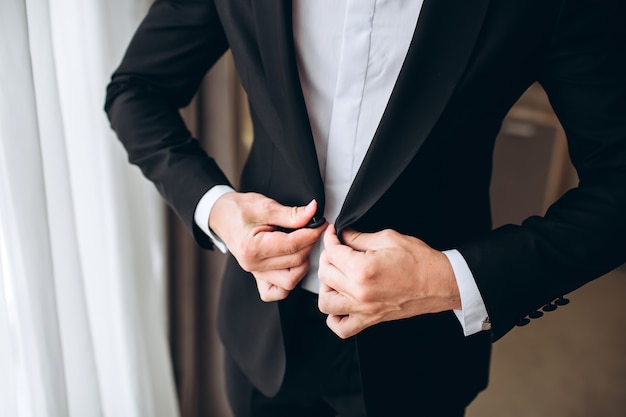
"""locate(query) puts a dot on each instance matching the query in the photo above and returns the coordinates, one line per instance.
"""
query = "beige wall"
(571, 362)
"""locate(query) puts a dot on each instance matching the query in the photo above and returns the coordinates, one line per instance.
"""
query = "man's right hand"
(247, 223)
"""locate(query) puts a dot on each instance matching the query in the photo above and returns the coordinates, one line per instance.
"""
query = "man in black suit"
(380, 116)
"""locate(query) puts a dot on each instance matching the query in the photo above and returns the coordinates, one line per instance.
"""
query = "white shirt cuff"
(203, 210)
(473, 315)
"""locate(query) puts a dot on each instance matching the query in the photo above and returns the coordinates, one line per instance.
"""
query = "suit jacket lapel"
(440, 49)
(277, 49)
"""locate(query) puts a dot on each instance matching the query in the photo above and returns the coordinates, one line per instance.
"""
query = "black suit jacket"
(426, 174)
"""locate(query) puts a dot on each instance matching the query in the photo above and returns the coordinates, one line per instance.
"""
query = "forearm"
(163, 66)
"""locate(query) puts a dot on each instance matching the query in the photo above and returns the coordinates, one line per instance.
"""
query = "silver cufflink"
(486, 325)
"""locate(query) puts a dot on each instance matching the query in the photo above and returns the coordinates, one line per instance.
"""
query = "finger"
(289, 217)
(344, 326)
(267, 261)
(324, 288)
(333, 302)
(331, 275)
(364, 241)
(330, 237)
(269, 251)
(270, 292)
(274, 244)
(341, 266)
(335, 253)
(286, 279)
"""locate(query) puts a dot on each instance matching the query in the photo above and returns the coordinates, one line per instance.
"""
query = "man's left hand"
(382, 276)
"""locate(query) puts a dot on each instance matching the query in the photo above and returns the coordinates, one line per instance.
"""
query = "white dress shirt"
(349, 54)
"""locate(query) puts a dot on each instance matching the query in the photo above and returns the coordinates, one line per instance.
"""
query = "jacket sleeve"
(173, 48)
(583, 235)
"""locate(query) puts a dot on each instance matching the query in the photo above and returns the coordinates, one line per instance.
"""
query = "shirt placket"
(347, 102)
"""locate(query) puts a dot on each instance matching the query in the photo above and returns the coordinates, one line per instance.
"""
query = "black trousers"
(322, 377)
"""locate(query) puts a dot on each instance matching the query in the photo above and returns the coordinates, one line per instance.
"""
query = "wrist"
(451, 288)
(220, 208)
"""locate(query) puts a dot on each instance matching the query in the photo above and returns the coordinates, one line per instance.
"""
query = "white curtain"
(82, 304)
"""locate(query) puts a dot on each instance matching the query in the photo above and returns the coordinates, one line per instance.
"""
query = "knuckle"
(291, 283)
(245, 265)
(363, 294)
(322, 305)
(300, 259)
(291, 249)
(364, 275)
(324, 257)
(248, 252)
(268, 298)
(343, 334)
(295, 276)
(266, 205)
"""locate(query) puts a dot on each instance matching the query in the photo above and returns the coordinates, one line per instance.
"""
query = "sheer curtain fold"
(82, 303)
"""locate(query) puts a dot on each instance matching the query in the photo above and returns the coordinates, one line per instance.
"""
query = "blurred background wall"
(572, 361)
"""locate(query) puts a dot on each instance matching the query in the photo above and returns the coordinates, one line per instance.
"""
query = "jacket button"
(549, 307)
(561, 301)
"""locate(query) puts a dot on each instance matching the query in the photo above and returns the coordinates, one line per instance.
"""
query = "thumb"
(360, 241)
(330, 237)
(291, 217)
